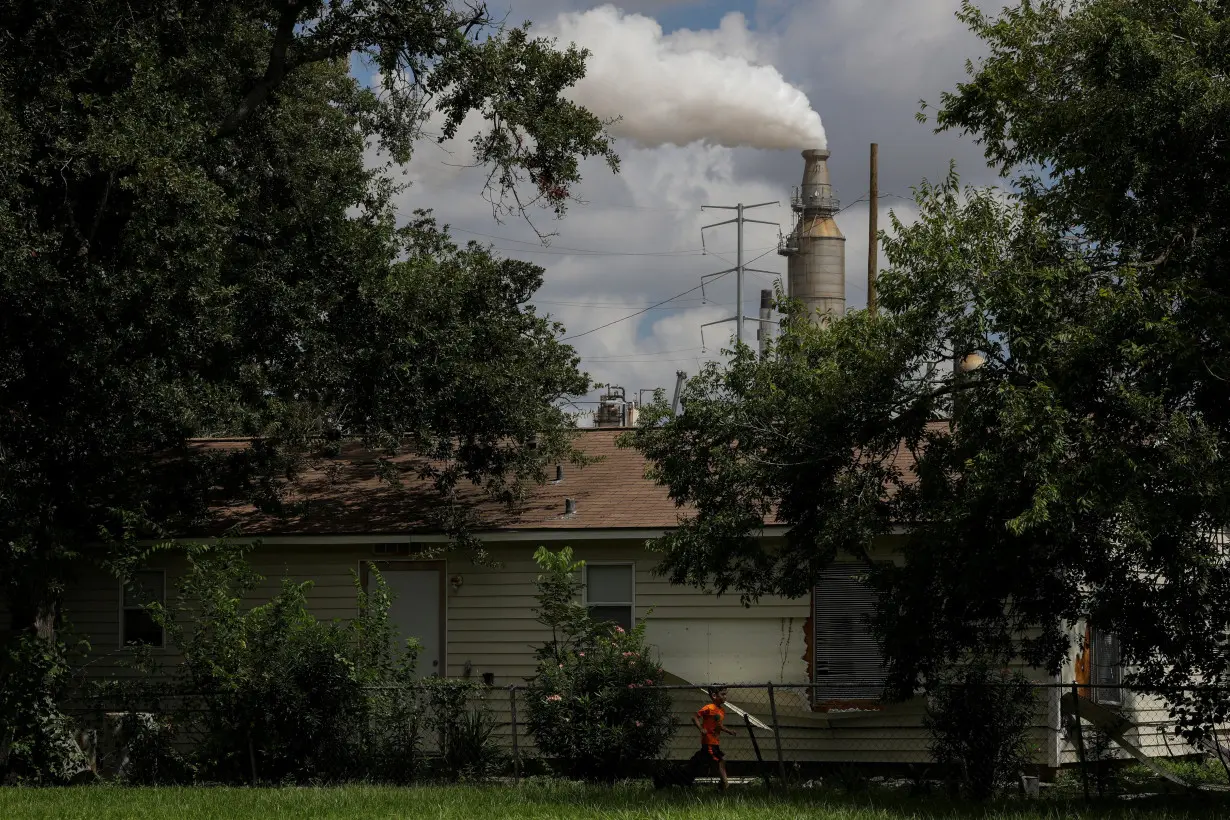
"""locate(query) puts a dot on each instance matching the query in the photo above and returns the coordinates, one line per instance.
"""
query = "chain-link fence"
(1076, 740)
(438, 730)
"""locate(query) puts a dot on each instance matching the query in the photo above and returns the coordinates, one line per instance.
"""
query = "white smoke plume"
(687, 86)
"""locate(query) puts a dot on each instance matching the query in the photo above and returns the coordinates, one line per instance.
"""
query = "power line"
(558, 249)
(597, 253)
(650, 361)
(766, 277)
(611, 305)
(631, 315)
(564, 249)
(643, 208)
(763, 255)
(643, 353)
(867, 197)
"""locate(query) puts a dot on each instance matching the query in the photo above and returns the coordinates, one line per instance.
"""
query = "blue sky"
(701, 15)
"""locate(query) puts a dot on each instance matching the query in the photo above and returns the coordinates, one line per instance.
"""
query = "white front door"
(416, 613)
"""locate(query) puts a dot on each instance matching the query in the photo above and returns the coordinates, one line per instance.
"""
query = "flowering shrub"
(590, 706)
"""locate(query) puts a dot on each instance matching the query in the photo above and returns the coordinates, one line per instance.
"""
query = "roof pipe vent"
(570, 506)
(559, 473)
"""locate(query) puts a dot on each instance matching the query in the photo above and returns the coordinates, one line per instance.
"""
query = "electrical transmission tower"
(739, 268)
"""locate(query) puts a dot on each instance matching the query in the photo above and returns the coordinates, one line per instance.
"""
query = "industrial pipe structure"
(815, 249)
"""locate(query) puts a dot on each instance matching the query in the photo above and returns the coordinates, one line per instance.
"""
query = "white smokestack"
(687, 86)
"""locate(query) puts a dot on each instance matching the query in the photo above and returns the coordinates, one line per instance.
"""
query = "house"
(476, 621)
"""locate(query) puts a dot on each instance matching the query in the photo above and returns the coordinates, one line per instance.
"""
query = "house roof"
(349, 498)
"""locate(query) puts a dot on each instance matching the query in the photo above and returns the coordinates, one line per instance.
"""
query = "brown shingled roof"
(612, 493)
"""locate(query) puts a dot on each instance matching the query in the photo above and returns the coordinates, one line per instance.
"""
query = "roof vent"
(559, 473)
(570, 506)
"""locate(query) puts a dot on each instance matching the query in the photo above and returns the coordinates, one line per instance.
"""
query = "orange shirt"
(711, 716)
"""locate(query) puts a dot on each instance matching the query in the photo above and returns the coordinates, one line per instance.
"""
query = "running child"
(709, 722)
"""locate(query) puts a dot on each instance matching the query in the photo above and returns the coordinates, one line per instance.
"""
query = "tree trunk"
(47, 619)
(35, 608)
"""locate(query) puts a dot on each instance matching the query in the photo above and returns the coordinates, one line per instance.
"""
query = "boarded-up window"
(609, 593)
(137, 626)
(848, 663)
(1107, 669)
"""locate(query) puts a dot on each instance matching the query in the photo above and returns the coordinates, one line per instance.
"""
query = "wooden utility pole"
(873, 229)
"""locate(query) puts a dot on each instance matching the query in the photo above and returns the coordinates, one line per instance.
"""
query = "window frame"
(587, 603)
(835, 704)
(1100, 693)
(123, 608)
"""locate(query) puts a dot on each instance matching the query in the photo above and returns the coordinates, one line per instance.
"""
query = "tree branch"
(479, 18)
(275, 72)
(101, 209)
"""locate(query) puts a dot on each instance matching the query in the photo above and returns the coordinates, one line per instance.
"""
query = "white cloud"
(853, 224)
(636, 242)
(688, 86)
(883, 46)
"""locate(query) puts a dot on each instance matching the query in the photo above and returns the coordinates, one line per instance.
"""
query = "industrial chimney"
(766, 312)
(816, 250)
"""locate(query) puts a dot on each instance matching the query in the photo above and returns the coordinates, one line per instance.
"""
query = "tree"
(192, 243)
(1081, 472)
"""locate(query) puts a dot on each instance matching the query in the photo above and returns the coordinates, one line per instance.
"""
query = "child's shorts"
(713, 752)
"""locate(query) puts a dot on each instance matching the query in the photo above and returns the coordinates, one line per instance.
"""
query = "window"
(847, 663)
(1107, 669)
(137, 627)
(609, 593)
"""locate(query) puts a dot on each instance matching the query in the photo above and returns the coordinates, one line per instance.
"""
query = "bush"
(1100, 755)
(273, 695)
(36, 738)
(589, 708)
(149, 755)
(979, 716)
(466, 748)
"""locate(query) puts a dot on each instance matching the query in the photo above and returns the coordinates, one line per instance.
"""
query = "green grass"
(546, 801)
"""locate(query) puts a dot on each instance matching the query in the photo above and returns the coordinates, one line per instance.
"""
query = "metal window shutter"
(848, 660)
(1107, 671)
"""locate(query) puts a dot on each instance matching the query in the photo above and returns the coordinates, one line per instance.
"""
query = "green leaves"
(268, 692)
(979, 716)
(193, 245)
(1077, 475)
(591, 705)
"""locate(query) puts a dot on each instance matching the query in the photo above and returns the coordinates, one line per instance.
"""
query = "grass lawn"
(546, 801)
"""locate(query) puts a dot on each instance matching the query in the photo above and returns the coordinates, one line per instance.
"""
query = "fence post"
(1080, 739)
(777, 735)
(252, 756)
(751, 733)
(512, 702)
(1221, 753)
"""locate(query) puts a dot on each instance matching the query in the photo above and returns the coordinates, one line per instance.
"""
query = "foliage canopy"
(1080, 474)
(193, 241)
